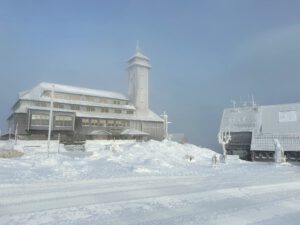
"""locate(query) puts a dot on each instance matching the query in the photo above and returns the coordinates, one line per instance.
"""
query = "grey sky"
(203, 53)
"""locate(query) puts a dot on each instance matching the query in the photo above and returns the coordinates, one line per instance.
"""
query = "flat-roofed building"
(82, 113)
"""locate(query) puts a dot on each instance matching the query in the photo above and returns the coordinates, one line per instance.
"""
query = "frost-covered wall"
(153, 128)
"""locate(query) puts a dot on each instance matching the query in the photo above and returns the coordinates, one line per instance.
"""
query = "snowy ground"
(143, 183)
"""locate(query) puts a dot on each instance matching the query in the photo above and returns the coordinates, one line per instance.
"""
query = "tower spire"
(137, 48)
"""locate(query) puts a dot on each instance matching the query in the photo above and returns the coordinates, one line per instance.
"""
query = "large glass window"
(63, 121)
(85, 122)
(39, 120)
(94, 122)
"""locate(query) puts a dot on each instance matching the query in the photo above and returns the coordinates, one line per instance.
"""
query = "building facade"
(255, 129)
(81, 113)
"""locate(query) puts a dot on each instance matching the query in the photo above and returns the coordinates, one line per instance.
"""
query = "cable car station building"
(255, 129)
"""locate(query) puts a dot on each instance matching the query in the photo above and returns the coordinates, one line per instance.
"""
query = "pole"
(9, 133)
(165, 117)
(167, 126)
(16, 134)
(58, 143)
(50, 121)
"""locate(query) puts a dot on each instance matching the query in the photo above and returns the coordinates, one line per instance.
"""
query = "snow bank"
(103, 159)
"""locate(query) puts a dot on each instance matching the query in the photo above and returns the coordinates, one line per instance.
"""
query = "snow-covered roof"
(239, 119)
(272, 119)
(139, 59)
(138, 54)
(37, 91)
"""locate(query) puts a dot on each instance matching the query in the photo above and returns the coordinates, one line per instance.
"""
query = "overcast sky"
(203, 53)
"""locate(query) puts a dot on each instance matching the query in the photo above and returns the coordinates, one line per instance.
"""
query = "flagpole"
(50, 121)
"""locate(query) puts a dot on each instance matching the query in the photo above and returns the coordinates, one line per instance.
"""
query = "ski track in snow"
(196, 201)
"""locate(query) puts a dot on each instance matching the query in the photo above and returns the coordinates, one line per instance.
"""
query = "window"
(110, 123)
(47, 94)
(39, 120)
(101, 123)
(41, 104)
(129, 112)
(58, 105)
(125, 123)
(118, 123)
(121, 123)
(118, 111)
(117, 102)
(75, 107)
(90, 108)
(61, 95)
(90, 98)
(103, 100)
(74, 97)
(94, 122)
(104, 110)
(85, 122)
(63, 121)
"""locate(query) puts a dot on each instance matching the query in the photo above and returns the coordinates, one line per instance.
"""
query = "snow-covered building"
(81, 113)
(254, 130)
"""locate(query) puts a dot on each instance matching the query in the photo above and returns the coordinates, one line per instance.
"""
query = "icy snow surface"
(126, 182)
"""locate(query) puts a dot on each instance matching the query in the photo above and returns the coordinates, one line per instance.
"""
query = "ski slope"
(232, 193)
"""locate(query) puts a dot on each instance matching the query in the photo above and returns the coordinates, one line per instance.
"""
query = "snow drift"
(103, 159)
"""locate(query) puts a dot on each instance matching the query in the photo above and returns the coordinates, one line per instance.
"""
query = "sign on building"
(287, 116)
